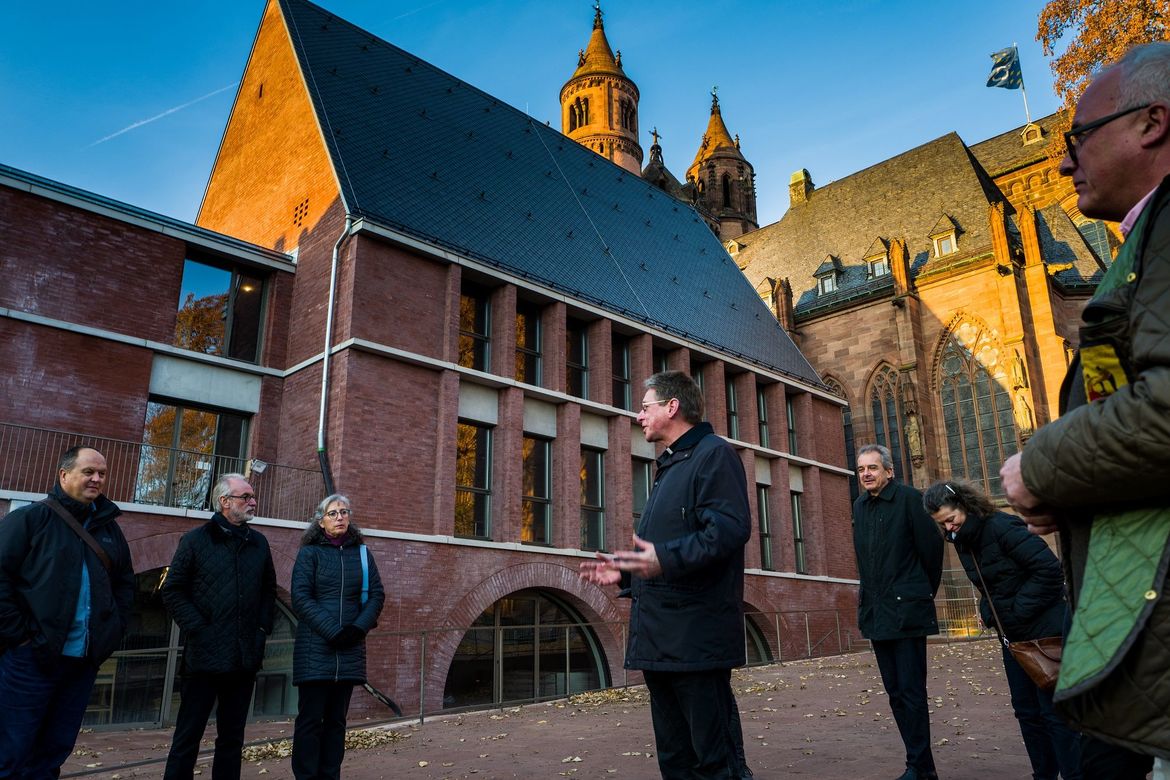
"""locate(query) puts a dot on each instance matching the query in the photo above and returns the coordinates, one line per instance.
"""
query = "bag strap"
(83, 534)
(990, 601)
(365, 573)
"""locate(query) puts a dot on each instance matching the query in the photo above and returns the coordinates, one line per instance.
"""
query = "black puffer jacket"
(690, 617)
(1023, 576)
(899, 562)
(40, 577)
(326, 595)
(221, 590)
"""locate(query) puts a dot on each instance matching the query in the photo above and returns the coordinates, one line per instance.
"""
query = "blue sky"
(130, 99)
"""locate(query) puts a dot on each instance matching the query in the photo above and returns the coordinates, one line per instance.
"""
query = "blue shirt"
(76, 640)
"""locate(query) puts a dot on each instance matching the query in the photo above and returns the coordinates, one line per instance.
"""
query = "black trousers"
(691, 712)
(231, 696)
(1102, 761)
(902, 663)
(319, 733)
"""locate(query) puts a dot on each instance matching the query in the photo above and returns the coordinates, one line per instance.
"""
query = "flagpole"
(1023, 91)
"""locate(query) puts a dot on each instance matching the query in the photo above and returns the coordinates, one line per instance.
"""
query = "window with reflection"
(184, 451)
(850, 446)
(790, 414)
(642, 482)
(536, 499)
(798, 534)
(622, 390)
(592, 499)
(762, 416)
(976, 408)
(577, 357)
(473, 480)
(528, 347)
(475, 327)
(220, 311)
(732, 410)
(885, 399)
(765, 527)
(528, 646)
(659, 359)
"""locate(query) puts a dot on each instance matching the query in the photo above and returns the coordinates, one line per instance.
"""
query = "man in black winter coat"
(685, 578)
(221, 590)
(899, 561)
(63, 611)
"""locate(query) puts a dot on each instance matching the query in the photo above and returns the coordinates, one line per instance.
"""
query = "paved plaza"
(825, 718)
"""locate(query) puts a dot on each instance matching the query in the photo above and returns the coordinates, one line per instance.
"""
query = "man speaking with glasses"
(221, 590)
(685, 580)
(1098, 473)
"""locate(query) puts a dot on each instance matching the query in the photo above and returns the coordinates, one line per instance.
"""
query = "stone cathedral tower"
(599, 104)
(724, 181)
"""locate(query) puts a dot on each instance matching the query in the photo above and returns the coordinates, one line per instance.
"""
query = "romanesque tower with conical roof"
(723, 180)
(599, 104)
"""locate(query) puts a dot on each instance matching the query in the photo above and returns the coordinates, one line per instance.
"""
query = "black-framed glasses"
(333, 514)
(245, 497)
(1075, 137)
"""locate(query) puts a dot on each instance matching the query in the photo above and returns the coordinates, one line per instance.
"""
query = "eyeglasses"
(333, 514)
(245, 497)
(1074, 138)
(647, 404)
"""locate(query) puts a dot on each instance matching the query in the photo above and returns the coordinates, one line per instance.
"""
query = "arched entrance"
(527, 646)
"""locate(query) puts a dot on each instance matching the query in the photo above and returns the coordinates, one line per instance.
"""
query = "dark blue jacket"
(40, 577)
(326, 595)
(221, 590)
(1023, 576)
(899, 561)
(690, 617)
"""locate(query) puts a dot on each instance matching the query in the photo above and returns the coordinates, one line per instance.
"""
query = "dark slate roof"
(904, 197)
(422, 152)
(1007, 152)
(1063, 245)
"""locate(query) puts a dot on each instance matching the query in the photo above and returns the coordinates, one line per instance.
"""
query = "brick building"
(404, 288)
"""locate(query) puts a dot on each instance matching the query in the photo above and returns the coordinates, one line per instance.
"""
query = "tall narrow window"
(592, 499)
(622, 392)
(642, 482)
(659, 358)
(762, 413)
(726, 182)
(474, 328)
(220, 311)
(1096, 235)
(790, 412)
(886, 406)
(697, 375)
(798, 534)
(977, 412)
(528, 338)
(732, 411)
(765, 528)
(473, 480)
(850, 447)
(184, 451)
(536, 501)
(577, 358)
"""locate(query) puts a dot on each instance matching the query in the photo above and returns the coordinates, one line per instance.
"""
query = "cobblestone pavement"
(825, 718)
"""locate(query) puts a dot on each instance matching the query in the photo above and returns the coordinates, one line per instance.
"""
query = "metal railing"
(149, 474)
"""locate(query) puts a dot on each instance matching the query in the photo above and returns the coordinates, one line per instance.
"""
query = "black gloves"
(349, 636)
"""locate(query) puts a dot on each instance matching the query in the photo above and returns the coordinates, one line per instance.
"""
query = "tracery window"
(976, 406)
(886, 405)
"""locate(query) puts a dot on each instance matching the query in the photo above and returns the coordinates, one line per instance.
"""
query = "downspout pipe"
(322, 451)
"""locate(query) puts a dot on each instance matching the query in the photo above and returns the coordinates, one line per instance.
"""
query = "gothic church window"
(885, 399)
(726, 191)
(976, 407)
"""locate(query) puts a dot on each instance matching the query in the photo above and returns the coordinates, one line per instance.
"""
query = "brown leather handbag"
(1040, 658)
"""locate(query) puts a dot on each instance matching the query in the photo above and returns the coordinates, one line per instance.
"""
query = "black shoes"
(913, 774)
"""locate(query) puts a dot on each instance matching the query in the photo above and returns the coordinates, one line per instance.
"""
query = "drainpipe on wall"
(322, 452)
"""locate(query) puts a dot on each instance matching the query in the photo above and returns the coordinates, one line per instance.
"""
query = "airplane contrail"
(169, 111)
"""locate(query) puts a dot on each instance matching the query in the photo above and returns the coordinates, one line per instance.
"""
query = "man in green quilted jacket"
(1099, 474)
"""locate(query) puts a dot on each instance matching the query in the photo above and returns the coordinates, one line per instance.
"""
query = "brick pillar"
(447, 414)
(503, 326)
(599, 346)
(507, 443)
(745, 394)
(715, 396)
(751, 553)
(619, 503)
(554, 374)
(452, 296)
(566, 478)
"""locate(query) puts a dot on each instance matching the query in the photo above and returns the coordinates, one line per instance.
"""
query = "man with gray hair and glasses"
(1098, 473)
(685, 580)
(221, 590)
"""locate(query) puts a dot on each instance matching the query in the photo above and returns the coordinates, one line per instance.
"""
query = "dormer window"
(827, 275)
(876, 266)
(826, 284)
(945, 245)
(1032, 134)
(945, 236)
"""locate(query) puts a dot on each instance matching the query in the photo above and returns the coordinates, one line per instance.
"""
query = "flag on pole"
(1005, 69)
